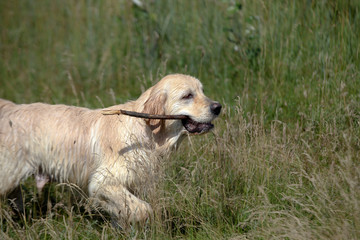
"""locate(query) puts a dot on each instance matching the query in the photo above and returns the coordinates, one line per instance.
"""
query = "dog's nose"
(215, 108)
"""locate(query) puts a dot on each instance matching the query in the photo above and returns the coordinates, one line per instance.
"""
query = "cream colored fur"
(107, 156)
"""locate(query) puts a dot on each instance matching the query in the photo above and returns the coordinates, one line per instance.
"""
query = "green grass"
(283, 161)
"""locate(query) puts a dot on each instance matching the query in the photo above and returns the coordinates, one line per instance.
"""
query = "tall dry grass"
(251, 180)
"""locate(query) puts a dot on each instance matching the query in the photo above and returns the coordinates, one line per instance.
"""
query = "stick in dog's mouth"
(143, 115)
(190, 125)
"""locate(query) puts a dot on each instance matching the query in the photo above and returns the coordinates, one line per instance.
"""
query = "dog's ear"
(155, 104)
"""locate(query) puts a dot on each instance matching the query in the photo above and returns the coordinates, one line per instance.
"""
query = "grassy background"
(283, 161)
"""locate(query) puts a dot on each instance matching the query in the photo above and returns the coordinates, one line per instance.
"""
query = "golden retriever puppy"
(107, 156)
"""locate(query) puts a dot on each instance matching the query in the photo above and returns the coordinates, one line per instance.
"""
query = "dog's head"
(181, 95)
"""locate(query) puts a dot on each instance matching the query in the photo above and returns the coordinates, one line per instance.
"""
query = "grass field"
(284, 159)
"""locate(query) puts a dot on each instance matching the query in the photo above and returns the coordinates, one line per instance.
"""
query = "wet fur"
(107, 156)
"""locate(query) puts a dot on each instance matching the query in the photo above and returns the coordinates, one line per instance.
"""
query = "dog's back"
(4, 106)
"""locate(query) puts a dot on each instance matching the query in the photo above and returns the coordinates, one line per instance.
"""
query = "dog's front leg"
(121, 203)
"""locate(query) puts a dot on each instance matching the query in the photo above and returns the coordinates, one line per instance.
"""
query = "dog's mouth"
(196, 127)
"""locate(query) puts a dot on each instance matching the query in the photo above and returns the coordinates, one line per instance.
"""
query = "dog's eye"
(188, 96)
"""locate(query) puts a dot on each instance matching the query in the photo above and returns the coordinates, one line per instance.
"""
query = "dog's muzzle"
(199, 127)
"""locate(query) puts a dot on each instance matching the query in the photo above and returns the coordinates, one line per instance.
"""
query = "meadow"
(283, 161)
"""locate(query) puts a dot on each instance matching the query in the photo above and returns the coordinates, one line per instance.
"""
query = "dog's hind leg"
(13, 169)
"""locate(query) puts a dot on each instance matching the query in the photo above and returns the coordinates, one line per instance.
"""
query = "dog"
(107, 156)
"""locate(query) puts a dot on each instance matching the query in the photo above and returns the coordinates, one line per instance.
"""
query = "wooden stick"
(142, 115)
